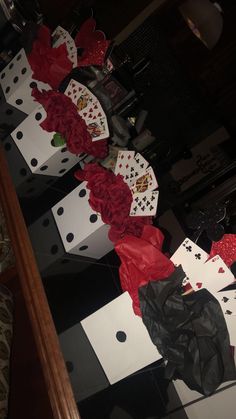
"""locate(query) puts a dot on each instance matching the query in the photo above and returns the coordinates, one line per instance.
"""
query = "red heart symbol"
(74, 91)
(85, 114)
(73, 85)
(221, 270)
(69, 93)
(199, 284)
(90, 116)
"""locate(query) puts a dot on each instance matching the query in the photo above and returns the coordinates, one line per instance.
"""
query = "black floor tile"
(73, 297)
(136, 395)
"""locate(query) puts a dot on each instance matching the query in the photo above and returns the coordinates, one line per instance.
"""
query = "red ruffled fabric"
(63, 117)
(93, 42)
(225, 248)
(49, 65)
(142, 261)
(112, 198)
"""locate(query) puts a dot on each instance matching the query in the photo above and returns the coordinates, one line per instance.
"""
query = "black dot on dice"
(62, 170)
(7, 146)
(11, 66)
(2, 76)
(45, 167)
(83, 248)
(7, 89)
(121, 336)
(23, 71)
(34, 162)
(69, 366)
(19, 101)
(63, 149)
(38, 116)
(60, 211)
(15, 80)
(70, 237)
(82, 193)
(31, 190)
(19, 135)
(9, 112)
(54, 249)
(23, 172)
(33, 84)
(93, 218)
(19, 57)
(45, 222)
(65, 160)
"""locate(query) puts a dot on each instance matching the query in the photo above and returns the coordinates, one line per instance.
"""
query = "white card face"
(191, 257)
(138, 165)
(227, 300)
(61, 36)
(144, 204)
(120, 339)
(146, 181)
(123, 163)
(213, 275)
(90, 109)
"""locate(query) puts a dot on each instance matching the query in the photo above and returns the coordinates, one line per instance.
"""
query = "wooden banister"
(52, 362)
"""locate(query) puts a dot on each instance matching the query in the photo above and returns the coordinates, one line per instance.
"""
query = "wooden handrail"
(52, 362)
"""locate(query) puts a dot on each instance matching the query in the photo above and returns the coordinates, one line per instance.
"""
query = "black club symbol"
(189, 248)
(198, 256)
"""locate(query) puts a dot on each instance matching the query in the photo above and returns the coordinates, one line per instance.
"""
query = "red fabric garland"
(112, 198)
(142, 261)
(63, 117)
(49, 65)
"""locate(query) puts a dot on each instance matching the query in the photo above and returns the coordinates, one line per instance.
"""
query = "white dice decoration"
(81, 229)
(36, 146)
(120, 339)
(17, 83)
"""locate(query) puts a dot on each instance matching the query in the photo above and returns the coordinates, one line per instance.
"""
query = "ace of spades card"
(144, 204)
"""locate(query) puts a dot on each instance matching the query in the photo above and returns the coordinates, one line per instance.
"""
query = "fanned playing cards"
(90, 109)
(61, 36)
(141, 180)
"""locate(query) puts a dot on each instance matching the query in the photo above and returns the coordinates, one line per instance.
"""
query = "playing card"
(139, 164)
(80, 95)
(144, 204)
(146, 181)
(61, 36)
(192, 258)
(123, 164)
(213, 275)
(227, 300)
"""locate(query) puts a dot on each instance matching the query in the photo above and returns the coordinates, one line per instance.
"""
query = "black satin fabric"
(190, 333)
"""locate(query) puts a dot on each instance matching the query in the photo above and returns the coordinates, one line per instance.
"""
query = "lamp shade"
(204, 19)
